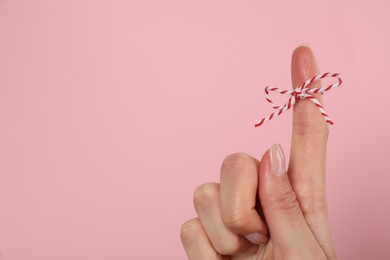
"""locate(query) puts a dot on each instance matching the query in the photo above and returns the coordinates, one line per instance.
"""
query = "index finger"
(308, 151)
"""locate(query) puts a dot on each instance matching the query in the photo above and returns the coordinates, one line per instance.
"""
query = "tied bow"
(301, 92)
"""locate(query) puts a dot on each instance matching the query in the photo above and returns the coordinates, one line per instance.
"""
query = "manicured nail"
(256, 238)
(277, 160)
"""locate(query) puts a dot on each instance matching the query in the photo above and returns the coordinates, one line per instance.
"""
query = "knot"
(298, 93)
(301, 92)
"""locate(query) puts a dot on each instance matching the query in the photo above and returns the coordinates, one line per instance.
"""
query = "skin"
(253, 213)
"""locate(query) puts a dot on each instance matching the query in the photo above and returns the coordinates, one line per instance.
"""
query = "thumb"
(287, 226)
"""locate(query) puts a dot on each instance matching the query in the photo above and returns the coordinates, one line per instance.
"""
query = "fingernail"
(256, 238)
(277, 160)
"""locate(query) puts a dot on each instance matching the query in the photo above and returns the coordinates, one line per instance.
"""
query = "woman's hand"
(261, 210)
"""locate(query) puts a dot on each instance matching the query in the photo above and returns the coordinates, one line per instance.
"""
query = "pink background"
(112, 112)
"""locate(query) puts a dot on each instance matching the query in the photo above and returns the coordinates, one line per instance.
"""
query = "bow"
(301, 92)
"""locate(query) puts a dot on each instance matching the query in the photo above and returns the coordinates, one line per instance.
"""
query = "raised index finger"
(308, 151)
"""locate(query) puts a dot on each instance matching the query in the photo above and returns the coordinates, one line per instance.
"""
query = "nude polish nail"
(256, 238)
(277, 160)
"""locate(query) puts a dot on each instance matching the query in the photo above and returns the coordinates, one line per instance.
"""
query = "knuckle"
(303, 128)
(312, 202)
(313, 206)
(236, 161)
(285, 200)
(190, 229)
(235, 220)
(204, 194)
(227, 247)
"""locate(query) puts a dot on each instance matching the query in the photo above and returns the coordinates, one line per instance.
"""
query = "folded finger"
(196, 243)
(207, 206)
(238, 194)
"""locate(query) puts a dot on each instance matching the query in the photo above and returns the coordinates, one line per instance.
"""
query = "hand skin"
(260, 209)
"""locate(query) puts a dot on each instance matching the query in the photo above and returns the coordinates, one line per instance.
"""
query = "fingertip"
(304, 44)
(303, 64)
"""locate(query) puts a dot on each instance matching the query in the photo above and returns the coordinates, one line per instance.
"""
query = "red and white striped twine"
(301, 92)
